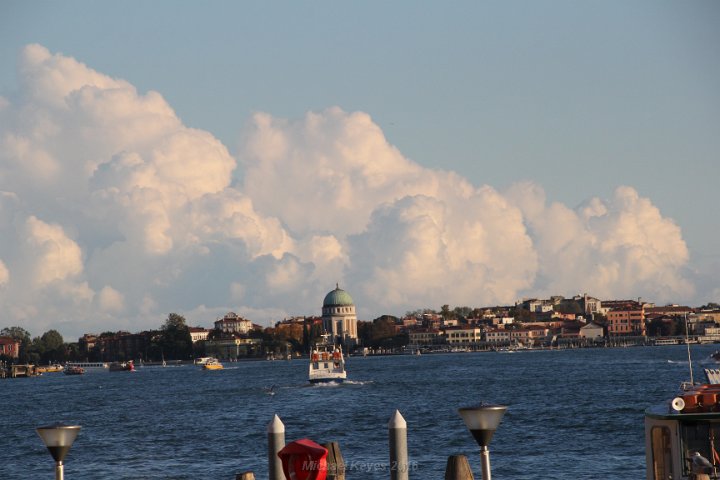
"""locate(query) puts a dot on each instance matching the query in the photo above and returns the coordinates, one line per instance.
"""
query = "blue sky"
(578, 98)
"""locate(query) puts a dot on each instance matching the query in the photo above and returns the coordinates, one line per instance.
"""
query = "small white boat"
(327, 364)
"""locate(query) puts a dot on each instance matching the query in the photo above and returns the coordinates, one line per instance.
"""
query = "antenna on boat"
(687, 342)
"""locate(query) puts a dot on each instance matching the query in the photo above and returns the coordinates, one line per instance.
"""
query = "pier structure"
(333, 465)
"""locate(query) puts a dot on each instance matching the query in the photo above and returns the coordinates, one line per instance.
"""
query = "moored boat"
(89, 366)
(327, 364)
(49, 368)
(682, 436)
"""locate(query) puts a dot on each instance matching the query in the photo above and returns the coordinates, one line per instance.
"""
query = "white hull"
(327, 364)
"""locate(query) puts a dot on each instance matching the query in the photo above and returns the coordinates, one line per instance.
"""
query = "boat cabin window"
(661, 453)
(703, 437)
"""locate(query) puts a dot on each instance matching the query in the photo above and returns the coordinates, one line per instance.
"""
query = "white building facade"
(339, 318)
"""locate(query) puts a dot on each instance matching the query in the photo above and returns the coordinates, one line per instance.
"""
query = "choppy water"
(573, 414)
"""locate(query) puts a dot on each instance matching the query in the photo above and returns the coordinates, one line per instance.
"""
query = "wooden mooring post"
(458, 468)
(335, 462)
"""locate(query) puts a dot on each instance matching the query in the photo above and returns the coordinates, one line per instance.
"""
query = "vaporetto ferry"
(90, 367)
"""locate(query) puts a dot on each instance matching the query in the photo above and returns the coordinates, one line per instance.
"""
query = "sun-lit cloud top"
(113, 213)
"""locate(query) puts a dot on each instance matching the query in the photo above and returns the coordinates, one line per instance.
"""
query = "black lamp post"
(58, 439)
(482, 420)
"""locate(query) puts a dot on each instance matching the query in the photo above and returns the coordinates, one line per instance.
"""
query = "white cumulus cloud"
(113, 214)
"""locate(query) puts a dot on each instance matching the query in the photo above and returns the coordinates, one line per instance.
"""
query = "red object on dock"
(304, 460)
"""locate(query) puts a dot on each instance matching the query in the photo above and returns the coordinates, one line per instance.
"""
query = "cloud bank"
(113, 214)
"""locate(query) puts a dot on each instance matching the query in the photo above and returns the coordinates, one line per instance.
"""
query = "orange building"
(628, 320)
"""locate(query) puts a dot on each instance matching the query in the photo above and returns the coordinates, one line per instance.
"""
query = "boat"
(212, 364)
(682, 435)
(89, 366)
(327, 364)
(49, 368)
(202, 360)
(128, 366)
(681, 432)
(72, 370)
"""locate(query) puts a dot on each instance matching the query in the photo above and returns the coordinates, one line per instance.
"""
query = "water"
(573, 414)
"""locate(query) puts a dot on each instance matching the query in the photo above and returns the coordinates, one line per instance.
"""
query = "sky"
(206, 157)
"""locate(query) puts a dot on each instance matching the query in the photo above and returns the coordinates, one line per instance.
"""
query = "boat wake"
(357, 382)
(327, 384)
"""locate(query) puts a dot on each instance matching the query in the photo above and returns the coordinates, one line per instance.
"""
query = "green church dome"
(337, 297)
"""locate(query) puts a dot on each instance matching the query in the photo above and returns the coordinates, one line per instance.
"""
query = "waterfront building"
(497, 335)
(528, 336)
(232, 348)
(590, 305)
(198, 334)
(463, 335)
(232, 323)
(501, 320)
(628, 319)
(87, 343)
(410, 322)
(670, 310)
(9, 347)
(123, 346)
(591, 330)
(425, 336)
(338, 316)
(570, 329)
(291, 328)
(539, 306)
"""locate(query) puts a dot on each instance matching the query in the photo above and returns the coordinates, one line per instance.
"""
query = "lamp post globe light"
(482, 420)
(58, 438)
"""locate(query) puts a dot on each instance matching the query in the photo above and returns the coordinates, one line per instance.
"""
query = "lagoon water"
(573, 414)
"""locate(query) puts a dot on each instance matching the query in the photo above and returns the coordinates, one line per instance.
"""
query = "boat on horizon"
(128, 366)
(327, 364)
(89, 367)
(50, 368)
(72, 370)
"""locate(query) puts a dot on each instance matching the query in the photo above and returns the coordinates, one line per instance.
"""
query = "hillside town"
(555, 322)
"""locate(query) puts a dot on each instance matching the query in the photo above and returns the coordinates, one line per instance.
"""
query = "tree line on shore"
(173, 341)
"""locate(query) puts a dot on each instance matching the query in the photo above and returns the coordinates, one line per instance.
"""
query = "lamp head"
(58, 438)
(482, 420)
